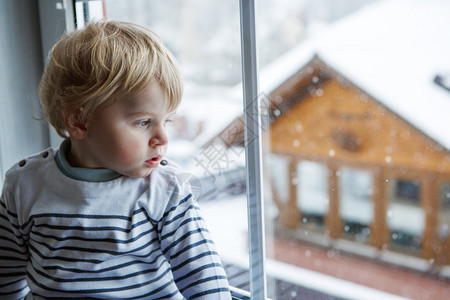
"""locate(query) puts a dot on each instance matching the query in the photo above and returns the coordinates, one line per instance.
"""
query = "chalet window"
(407, 191)
(444, 213)
(405, 215)
(355, 203)
(312, 195)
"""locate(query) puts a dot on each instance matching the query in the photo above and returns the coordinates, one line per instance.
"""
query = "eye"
(144, 123)
(167, 121)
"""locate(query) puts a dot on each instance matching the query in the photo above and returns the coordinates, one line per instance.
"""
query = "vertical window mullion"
(252, 131)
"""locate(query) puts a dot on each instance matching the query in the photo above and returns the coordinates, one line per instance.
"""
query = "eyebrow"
(145, 114)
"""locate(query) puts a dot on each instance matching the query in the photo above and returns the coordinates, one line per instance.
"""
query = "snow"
(231, 242)
(392, 50)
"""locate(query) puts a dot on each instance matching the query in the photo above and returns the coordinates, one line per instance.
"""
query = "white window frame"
(253, 152)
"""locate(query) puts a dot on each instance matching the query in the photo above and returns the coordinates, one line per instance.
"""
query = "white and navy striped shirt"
(120, 239)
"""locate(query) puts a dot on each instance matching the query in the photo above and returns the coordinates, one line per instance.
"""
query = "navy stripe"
(82, 216)
(13, 282)
(10, 231)
(23, 252)
(99, 251)
(12, 241)
(180, 225)
(107, 278)
(67, 297)
(13, 292)
(94, 291)
(9, 258)
(8, 220)
(212, 265)
(183, 237)
(175, 207)
(13, 274)
(105, 240)
(180, 215)
(208, 292)
(185, 262)
(121, 266)
(197, 282)
(190, 246)
(159, 298)
(8, 211)
(93, 261)
(93, 228)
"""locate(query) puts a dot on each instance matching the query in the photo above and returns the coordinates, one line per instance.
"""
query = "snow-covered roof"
(392, 50)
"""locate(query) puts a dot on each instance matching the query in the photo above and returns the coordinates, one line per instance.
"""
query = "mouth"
(154, 161)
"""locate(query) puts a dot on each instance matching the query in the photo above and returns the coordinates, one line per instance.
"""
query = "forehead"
(151, 97)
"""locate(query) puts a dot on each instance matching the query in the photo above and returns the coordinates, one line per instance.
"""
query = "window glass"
(406, 218)
(312, 195)
(444, 224)
(365, 161)
(204, 37)
(355, 203)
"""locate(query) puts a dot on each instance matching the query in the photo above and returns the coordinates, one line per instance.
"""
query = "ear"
(75, 125)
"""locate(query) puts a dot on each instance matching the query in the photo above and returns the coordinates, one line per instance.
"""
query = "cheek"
(124, 148)
(130, 151)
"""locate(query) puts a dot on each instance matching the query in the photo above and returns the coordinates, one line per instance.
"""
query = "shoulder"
(170, 185)
(167, 177)
(30, 166)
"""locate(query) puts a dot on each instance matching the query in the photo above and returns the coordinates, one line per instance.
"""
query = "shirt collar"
(83, 174)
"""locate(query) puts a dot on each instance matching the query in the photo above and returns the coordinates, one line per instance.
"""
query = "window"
(355, 201)
(312, 195)
(353, 181)
(406, 217)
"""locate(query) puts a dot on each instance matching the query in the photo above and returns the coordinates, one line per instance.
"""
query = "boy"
(100, 217)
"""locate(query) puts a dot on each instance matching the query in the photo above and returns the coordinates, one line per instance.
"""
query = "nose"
(159, 136)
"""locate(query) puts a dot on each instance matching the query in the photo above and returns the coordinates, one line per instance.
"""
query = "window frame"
(253, 150)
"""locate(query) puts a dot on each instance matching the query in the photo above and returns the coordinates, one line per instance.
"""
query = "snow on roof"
(392, 50)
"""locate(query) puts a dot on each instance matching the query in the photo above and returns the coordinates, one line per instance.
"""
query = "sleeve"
(13, 253)
(187, 245)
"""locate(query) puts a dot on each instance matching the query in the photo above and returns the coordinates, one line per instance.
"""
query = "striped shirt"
(125, 238)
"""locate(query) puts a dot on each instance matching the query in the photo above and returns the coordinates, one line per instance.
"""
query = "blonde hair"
(96, 65)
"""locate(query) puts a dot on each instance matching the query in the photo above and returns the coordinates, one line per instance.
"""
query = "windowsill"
(367, 251)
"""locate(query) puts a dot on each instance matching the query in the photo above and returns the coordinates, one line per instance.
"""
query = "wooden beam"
(333, 221)
(379, 229)
(291, 215)
(429, 195)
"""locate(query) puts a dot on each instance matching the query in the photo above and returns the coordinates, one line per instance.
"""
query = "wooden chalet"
(345, 166)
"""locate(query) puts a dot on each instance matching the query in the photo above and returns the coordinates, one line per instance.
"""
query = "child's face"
(129, 136)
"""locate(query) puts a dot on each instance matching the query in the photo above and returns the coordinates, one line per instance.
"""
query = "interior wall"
(21, 68)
